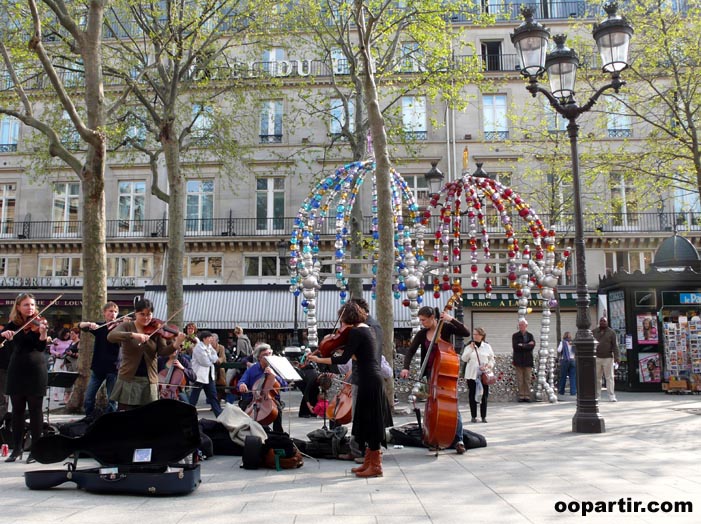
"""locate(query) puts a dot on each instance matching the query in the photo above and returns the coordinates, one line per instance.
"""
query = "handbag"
(487, 377)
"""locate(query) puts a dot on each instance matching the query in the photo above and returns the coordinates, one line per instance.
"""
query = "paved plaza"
(650, 453)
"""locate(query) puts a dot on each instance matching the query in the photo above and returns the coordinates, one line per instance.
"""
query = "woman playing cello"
(137, 381)
(429, 317)
(371, 403)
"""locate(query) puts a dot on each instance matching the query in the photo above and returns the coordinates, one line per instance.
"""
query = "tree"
(72, 42)
(175, 58)
(663, 99)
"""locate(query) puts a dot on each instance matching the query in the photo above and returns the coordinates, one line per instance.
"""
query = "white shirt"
(203, 359)
(469, 355)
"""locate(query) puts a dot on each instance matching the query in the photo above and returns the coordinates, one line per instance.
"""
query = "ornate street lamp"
(282, 252)
(434, 179)
(612, 38)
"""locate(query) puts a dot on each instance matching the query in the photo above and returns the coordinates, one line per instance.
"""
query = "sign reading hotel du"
(46, 282)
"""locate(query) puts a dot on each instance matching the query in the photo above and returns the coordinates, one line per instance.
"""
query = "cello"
(263, 408)
(340, 409)
(441, 412)
(171, 380)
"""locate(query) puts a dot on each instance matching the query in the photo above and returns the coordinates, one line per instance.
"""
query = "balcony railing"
(594, 224)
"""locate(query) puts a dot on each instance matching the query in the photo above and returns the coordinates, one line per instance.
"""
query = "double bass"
(441, 412)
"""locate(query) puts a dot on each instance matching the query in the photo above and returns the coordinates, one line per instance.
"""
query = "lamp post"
(612, 38)
(282, 251)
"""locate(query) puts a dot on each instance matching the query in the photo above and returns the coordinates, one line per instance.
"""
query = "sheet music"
(283, 368)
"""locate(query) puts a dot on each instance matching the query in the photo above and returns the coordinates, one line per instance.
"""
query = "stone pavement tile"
(395, 508)
(500, 513)
(345, 519)
(404, 519)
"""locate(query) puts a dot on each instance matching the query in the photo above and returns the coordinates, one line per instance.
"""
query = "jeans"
(210, 391)
(96, 380)
(568, 368)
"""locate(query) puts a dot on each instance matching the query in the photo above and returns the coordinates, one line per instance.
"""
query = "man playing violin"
(428, 317)
(105, 359)
(256, 372)
(141, 341)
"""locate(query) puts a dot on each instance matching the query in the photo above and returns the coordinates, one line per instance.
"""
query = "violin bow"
(106, 324)
(165, 322)
(32, 319)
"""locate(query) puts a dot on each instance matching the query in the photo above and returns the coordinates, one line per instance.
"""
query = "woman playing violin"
(428, 317)
(27, 376)
(140, 344)
(371, 403)
(105, 358)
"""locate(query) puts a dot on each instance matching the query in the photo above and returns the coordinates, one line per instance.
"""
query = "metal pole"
(295, 334)
(587, 418)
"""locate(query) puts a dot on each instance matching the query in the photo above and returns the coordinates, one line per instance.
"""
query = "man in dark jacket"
(522, 342)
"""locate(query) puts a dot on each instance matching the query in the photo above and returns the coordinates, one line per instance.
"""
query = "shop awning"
(264, 308)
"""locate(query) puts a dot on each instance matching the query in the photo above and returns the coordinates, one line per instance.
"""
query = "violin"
(33, 326)
(334, 342)
(160, 328)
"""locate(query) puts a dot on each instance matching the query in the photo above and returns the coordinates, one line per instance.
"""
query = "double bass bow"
(441, 412)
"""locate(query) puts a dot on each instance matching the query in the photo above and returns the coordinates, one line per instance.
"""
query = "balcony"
(8, 148)
(543, 10)
(594, 224)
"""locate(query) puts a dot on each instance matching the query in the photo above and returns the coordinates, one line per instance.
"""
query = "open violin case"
(146, 451)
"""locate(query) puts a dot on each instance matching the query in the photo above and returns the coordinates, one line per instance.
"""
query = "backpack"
(280, 452)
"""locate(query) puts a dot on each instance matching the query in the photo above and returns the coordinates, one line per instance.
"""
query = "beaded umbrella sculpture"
(332, 199)
(528, 267)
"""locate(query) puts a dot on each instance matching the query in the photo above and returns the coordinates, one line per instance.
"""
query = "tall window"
(491, 56)
(270, 204)
(202, 125)
(619, 122)
(264, 268)
(414, 117)
(202, 268)
(65, 208)
(9, 267)
(339, 62)
(496, 126)
(338, 116)
(60, 266)
(271, 122)
(556, 122)
(70, 137)
(131, 206)
(410, 58)
(687, 209)
(125, 266)
(271, 57)
(9, 134)
(7, 208)
(200, 206)
(624, 201)
(417, 185)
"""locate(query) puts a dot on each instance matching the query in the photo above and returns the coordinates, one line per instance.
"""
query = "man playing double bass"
(428, 317)
(256, 372)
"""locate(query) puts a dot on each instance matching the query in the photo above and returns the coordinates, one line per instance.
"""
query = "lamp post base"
(587, 418)
(588, 423)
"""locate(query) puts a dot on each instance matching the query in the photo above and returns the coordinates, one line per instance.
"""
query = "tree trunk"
(176, 228)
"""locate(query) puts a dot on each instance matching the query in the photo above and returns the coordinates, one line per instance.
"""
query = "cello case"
(145, 451)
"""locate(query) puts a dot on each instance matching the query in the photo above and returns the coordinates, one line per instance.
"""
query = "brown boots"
(372, 467)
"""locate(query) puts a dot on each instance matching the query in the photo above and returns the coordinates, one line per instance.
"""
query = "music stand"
(59, 379)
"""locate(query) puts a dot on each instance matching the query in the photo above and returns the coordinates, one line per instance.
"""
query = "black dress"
(27, 373)
(371, 404)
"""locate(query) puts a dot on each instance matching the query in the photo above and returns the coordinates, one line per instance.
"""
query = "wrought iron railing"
(595, 224)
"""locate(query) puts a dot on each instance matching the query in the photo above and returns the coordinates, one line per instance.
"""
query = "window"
(9, 267)
(202, 124)
(556, 122)
(271, 59)
(414, 117)
(339, 62)
(410, 58)
(9, 134)
(264, 268)
(417, 185)
(202, 268)
(66, 200)
(57, 266)
(126, 266)
(623, 201)
(687, 210)
(627, 261)
(135, 132)
(496, 126)
(7, 208)
(338, 116)
(491, 56)
(70, 138)
(619, 123)
(271, 122)
(131, 207)
(270, 204)
(492, 217)
(199, 207)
